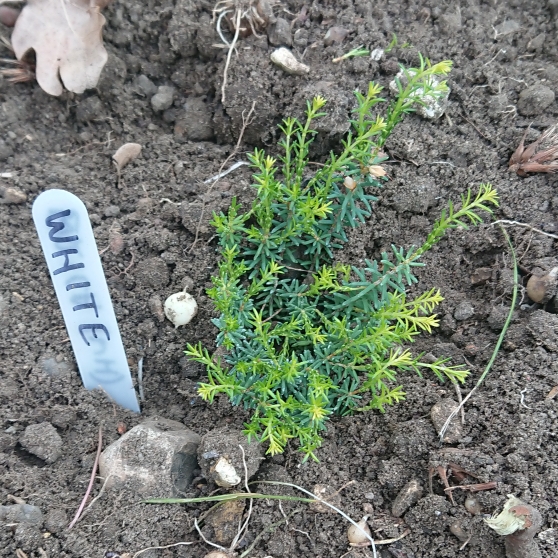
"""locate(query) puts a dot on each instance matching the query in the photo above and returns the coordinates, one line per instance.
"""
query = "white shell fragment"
(180, 308)
(126, 153)
(431, 107)
(286, 60)
(224, 474)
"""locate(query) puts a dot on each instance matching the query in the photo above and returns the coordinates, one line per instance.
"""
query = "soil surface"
(504, 55)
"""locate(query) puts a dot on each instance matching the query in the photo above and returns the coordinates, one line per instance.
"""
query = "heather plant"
(304, 337)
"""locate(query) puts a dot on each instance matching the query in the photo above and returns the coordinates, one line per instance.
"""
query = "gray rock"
(22, 513)
(162, 100)
(440, 413)
(463, 311)
(220, 457)
(553, 7)
(536, 43)
(112, 211)
(195, 121)
(91, 108)
(153, 272)
(279, 34)
(145, 86)
(535, 99)
(410, 494)
(43, 441)
(335, 35)
(157, 458)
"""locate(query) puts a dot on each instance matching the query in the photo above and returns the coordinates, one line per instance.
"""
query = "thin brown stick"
(246, 121)
(91, 480)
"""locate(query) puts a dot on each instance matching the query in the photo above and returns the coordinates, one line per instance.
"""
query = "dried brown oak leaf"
(66, 36)
(539, 156)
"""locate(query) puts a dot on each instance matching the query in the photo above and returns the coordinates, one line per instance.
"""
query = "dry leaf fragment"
(66, 36)
(539, 156)
(126, 153)
(377, 171)
(552, 393)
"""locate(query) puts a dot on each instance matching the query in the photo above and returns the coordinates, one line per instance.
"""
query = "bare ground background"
(500, 49)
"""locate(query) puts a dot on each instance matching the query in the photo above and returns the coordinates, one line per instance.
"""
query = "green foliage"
(304, 337)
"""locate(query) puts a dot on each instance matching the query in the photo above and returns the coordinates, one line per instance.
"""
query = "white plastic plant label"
(72, 258)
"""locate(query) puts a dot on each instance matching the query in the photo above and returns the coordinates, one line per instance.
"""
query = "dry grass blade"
(539, 156)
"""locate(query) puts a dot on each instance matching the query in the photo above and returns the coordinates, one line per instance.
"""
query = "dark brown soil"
(499, 50)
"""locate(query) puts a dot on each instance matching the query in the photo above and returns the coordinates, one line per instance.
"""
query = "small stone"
(335, 35)
(43, 441)
(116, 242)
(377, 54)
(22, 513)
(112, 211)
(157, 458)
(221, 460)
(162, 100)
(145, 86)
(549, 536)
(535, 99)
(300, 39)
(90, 108)
(195, 120)
(463, 311)
(481, 275)
(221, 525)
(536, 43)
(13, 195)
(279, 33)
(153, 272)
(410, 494)
(156, 307)
(286, 60)
(440, 413)
(56, 520)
